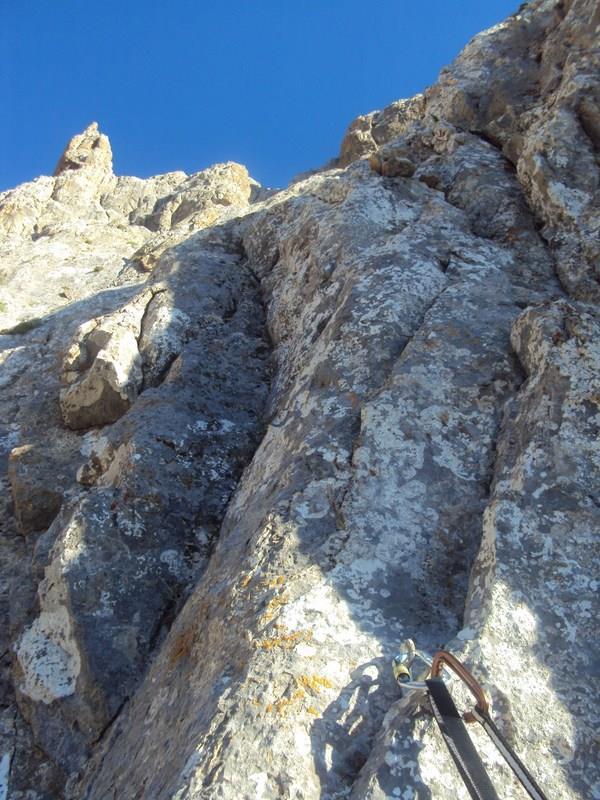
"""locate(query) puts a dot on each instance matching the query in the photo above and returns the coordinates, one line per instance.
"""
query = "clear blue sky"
(182, 84)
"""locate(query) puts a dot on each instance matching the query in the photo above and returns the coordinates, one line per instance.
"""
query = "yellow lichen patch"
(273, 605)
(284, 640)
(315, 683)
(283, 705)
(306, 683)
(246, 580)
(274, 583)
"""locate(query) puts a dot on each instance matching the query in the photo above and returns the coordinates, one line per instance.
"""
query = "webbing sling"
(511, 758)
(480, 713)
(451, 724)
(459, 742)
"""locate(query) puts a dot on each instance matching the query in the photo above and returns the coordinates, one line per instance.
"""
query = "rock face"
(266, 436)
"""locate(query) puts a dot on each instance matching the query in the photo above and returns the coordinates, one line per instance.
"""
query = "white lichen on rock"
(48, 657)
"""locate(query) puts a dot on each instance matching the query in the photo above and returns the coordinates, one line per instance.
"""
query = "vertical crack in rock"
(301, 613)
(406, 470)
(533, 584)
(142, 330)
(536, 564)
(125, 553)
(88, 214)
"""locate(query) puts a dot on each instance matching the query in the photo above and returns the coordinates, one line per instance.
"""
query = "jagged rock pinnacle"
(88, 149)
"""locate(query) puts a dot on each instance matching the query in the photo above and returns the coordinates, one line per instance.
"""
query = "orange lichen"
(306, 685)
(283, 705)
(272, 606)
(274, 583)
(315, 682)
(182, 646)
(287, 641)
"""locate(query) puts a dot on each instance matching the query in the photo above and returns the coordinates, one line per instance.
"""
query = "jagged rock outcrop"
(90, 149)
(67, 237)
(103, 368)
(193, 330)
(297, 427)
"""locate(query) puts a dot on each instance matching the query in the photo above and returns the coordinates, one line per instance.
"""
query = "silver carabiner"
(402, 666)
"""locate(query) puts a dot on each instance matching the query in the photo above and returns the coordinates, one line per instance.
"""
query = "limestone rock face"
(392, 164)
(530, 87)
(65, 238)
(269, 435)
(123, 554)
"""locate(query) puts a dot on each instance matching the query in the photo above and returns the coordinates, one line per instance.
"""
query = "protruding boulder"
(369, 131)
(103, 368)
(392, 163)
(199, 200)
(36, 500)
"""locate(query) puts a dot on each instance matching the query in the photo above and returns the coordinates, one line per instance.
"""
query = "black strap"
(511, 758)
(459, 742)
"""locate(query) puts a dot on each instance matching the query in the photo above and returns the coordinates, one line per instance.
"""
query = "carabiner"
(402, 663)
(445, 659)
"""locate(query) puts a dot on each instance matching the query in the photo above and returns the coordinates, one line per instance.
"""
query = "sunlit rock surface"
(251, 440)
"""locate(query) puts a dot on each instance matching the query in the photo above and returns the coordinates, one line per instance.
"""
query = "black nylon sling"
(511, 758)
(459, 742)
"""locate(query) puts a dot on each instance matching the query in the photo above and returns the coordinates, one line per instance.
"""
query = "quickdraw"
(451, 725)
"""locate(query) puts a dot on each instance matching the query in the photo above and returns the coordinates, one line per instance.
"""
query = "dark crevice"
(110, 722)
(444, 262)
(160, 376)
(589, 122)
(171, 445)
(253, 274)
(230, 312)
(520, 378)
(155, 293)
(166, 619)
(538, 223)
(491, 140)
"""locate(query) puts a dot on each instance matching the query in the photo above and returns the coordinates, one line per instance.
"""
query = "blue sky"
(184, 84)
